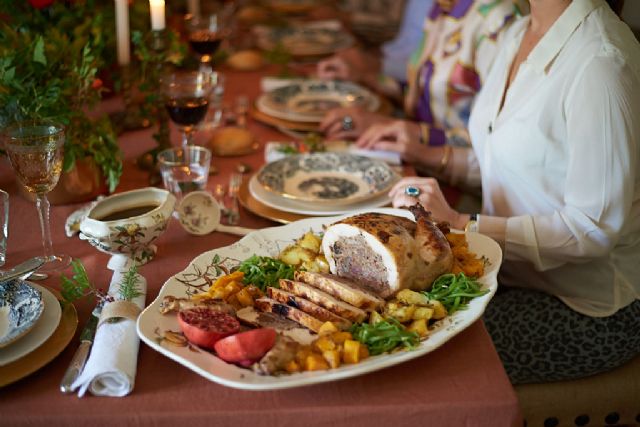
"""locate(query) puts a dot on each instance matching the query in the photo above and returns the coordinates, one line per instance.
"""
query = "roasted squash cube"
(341, 337)
(245, 298)
(324, 343)
(292, 366)
(301, 355)
(364, 351)
(332, 357)
(327, 328)
(315, 362)
(351, 352)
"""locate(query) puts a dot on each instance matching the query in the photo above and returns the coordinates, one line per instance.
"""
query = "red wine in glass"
(187, 111)
(205, 42)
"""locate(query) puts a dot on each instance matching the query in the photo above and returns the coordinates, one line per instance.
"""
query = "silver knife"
(80, 357)
(23, 269)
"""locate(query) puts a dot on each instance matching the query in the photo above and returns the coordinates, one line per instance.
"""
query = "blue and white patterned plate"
(304, 40)
(20, 307)
(335, 179)
(309, 100)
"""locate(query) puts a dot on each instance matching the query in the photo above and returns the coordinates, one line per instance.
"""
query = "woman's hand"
(403, 137)
(430, 197)
(349, 123)
(335, 68)
(400, 136)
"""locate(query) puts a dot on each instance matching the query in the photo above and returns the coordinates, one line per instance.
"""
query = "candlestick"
(157, 15)
(122, 32)
(193, 7)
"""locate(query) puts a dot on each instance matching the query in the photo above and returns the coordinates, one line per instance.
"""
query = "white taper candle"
(122, 32)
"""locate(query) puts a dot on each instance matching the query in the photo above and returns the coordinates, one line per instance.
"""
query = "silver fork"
(235, 181)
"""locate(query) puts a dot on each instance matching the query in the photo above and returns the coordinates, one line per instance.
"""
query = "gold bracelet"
(445, 159)
(424, 133)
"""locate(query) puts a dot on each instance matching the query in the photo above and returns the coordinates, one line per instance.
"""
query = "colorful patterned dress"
(451, 62)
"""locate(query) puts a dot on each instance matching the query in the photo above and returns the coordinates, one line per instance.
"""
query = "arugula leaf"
(455, 291)
(263, 271)
(384, 336)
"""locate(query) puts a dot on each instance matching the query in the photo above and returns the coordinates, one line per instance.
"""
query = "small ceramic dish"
(20, 308)
(199, 213)
(127, 223)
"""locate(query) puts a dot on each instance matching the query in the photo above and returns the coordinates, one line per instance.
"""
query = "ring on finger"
(412, 191)
(347, 123)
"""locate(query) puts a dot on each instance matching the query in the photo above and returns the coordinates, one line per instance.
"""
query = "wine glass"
(186, 96)
(206, 34)
(35, 150)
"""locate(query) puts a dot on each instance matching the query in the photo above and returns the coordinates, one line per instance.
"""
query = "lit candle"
(122, 32)
(157, 14)
(193, 7)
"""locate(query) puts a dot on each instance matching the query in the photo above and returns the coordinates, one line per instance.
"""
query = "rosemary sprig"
(129, 289)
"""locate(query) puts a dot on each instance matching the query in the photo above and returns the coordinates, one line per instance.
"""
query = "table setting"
(228, 169)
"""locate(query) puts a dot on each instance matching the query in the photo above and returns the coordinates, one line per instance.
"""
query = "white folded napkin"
(272, 152)
(112, 364)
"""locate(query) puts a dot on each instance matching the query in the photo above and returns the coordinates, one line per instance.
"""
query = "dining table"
(461, 383)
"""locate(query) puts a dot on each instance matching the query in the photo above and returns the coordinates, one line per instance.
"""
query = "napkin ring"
(119, 309)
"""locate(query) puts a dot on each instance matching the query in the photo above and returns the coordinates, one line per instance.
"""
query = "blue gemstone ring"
(347, 123)
(412, 191)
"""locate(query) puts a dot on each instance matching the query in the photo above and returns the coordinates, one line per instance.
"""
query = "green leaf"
(38, 52)
(78, 286)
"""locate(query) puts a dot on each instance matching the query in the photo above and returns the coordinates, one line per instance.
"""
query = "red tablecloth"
(462, 383)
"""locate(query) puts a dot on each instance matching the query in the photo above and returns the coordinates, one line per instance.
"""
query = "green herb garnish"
(263, 271)
(455, 291)
(384, 336)
(79, 285)
(129, 289)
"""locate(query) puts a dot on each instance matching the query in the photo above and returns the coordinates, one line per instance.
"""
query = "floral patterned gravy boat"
(127, 223)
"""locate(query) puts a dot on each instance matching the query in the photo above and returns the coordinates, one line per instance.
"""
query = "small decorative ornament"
(347, 123)
(412, 191)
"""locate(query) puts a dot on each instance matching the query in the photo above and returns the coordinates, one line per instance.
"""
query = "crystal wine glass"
(35, 150)
(206, 34)
(186, 96)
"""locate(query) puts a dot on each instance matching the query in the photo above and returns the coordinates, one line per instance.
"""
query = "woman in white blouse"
(556, 137)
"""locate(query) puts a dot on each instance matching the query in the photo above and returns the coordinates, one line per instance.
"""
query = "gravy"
(128, 213)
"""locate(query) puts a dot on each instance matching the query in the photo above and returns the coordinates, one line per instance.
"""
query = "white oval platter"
(270, 241)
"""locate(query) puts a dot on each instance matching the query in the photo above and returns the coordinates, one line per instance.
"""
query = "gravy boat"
(128, 235)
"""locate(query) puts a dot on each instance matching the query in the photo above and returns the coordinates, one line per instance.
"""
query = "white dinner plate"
(270, 241)
(44, 327)
(312, 209)
(309, 100)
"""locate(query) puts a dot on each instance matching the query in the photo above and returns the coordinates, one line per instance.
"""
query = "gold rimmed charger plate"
(385, 108)
(48, 351)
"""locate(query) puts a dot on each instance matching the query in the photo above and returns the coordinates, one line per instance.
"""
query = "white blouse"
(560, 163)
